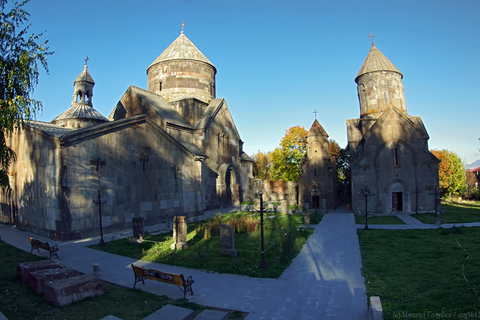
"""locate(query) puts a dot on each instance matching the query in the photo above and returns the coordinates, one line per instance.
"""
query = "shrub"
(286, 244)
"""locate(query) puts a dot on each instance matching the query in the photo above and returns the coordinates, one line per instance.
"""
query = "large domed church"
(172, 149)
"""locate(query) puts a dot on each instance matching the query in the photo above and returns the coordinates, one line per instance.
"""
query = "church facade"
(389, 156)
(172, 149)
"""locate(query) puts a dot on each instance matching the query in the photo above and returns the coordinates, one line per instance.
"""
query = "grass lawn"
(421, 273)
(454, 213)
(18, 301)
(360, 219)
(283, 241)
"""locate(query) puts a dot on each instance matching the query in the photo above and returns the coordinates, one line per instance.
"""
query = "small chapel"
(172, 149)
(391, 166)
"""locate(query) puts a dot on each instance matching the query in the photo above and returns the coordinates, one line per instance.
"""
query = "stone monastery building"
(172, 149)
(389, 154)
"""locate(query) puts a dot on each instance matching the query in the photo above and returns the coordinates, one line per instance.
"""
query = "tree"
(21, 54)
(444, 170)
(286, 158)
(457, 180)
(333, 148)
(343, 166)
(262, 163)
(451, 173)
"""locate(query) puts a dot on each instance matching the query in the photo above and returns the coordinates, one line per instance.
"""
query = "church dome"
(379, 85)
(181, 49)
(376, 61)
(182, 70)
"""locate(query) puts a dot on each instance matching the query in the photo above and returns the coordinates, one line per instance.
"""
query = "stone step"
(110, 317)
(170, 312)
(212, 315)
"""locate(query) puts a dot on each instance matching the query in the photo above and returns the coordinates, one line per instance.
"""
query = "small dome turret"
(81, 114)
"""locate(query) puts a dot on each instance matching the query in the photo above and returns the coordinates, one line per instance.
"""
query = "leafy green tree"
(262, 164)
(457, 180)
(343, 166)
(286, 159)
(21, 54)
(451, 173)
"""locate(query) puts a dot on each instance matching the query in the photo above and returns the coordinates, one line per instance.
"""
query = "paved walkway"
(323, 282)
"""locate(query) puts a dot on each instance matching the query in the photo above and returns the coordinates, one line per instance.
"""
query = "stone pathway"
(323, 282)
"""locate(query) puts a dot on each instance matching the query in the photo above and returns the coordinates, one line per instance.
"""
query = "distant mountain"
(473, 165)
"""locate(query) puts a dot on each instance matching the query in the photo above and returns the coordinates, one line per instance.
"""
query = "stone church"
(172, 149)
(317, 182)
(389, 156)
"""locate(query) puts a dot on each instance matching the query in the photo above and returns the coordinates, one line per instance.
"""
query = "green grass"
(205, 253)
(18, 301)
(360, 219)
(422, 271)
(454, 213)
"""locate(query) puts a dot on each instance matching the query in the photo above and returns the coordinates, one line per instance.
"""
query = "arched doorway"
(228, 187)
(397, 196)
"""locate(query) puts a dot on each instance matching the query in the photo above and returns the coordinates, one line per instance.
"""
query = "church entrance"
(229, 181)
(397, 201)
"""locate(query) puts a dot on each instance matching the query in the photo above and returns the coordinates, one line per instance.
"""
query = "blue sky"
(277, 61)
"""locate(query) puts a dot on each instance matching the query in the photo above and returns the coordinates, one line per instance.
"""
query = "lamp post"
(438, 221)
(263, 263)
(366, 194)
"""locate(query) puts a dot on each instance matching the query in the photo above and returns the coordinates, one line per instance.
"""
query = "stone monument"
(227, 239)
(179, 233)
(138, 228)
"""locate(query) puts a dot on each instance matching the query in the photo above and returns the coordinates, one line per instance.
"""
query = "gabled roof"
(48, 128)
(415, 123)
(81, 111)
(158, 104)
(210, 112)
(376, 61)
(181, 48)
(318, 129)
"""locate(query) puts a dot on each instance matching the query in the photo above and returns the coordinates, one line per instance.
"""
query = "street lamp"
(366, 194)
(99, 202)
(263, 263)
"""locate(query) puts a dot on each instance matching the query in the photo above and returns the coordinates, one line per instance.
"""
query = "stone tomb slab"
(39, 278)
(25, 268)
(66, 291)
(170, 312)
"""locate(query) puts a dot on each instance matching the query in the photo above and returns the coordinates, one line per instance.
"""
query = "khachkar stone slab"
(227, 239)
(24, 269)
(66, 291)
(138, 228)
(39, 278)
(179, 233)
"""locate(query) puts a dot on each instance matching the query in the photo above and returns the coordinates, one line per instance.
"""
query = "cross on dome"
(371, 37)
(182, 25)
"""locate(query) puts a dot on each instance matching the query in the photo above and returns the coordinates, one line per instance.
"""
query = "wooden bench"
(152, 274)
(37, 244)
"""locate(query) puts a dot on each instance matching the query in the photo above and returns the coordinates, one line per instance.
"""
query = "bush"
(241, 224)
(286, 244)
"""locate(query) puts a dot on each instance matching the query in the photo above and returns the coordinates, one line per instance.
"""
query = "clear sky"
(277, 61)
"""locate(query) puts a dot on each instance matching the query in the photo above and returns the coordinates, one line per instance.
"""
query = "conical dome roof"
(81, 111)
(318, 129)
(181, 48)
(84, 77)
(376, 61)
